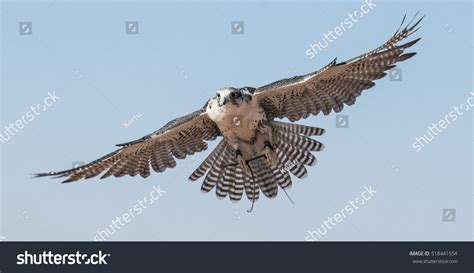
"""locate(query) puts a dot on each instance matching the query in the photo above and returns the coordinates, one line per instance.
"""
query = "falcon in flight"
(256, 152)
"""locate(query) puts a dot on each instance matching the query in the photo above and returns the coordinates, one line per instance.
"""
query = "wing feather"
(177, 139)
(336, 84)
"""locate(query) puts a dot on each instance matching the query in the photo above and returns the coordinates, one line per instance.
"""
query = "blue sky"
(182, 53)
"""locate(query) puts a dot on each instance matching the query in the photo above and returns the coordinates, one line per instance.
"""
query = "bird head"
(229, 95)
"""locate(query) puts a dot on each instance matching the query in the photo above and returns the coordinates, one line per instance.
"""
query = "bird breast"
(240, 120)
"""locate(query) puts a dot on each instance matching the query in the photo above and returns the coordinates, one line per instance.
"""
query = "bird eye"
(233, 95)
(218, 95)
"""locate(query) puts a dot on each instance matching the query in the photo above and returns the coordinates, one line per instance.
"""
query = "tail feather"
(302, 142)
(293, 149)
(297, 155)
(283, 179)
(251, 189)
(214, 173)
(237, 189)
(224, 185)
(208, 162)
(264, 177)
(292, 165)
(299, 171)
(225, 175)
(282, 175)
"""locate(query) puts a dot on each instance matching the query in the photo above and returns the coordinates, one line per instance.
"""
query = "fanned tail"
(293, 147)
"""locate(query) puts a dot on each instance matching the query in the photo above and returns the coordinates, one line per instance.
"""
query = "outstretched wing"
(177, 139)
(335, 84)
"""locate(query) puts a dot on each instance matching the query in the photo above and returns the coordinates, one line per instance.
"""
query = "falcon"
(257, 151)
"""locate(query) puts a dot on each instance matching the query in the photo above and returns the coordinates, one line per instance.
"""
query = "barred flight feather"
(293, 149)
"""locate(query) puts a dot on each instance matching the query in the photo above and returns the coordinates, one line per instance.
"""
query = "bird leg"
(270, 154)
(268, 148)
(243, 163)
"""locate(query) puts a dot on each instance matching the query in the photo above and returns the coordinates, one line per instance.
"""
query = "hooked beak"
(222, 101)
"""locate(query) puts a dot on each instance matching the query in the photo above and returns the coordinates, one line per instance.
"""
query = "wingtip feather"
(50, 174)
(406, 56)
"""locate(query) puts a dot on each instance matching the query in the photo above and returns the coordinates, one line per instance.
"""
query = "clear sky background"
(182, 53)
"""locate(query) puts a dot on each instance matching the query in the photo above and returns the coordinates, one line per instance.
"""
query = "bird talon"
(243, 164)
(271, 156)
